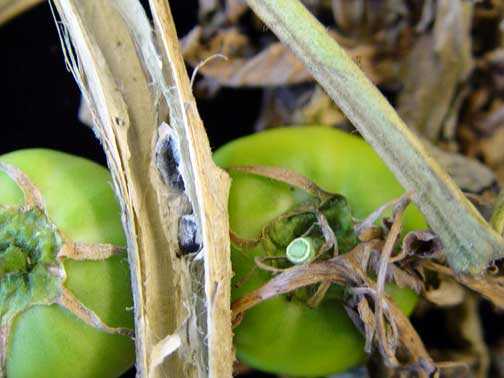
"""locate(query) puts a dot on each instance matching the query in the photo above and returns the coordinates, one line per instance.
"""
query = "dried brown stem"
(291, 279)
(382, 274)
(138, 91)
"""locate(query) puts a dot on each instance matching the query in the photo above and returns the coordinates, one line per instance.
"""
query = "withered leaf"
(275, 65)
(448, 293)
(469, 174)
(490, 287)
(438, 63)
(272, 65)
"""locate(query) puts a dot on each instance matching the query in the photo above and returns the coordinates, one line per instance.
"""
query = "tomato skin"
(49, 341)
(279, 335)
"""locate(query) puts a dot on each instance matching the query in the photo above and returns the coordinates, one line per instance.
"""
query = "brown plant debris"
(372, 310)
(489, 286)
(263, 63)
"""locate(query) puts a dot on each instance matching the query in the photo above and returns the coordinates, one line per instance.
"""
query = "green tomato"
(47, 340)
(283, 335)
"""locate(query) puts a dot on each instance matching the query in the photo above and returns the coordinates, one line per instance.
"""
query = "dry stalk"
(172, 196)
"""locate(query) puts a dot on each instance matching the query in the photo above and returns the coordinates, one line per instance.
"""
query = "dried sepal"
(68, 301)
(396, 339)
(260, 262)
(290, 280)
(317, 298)
(32, 196)
(385, 326)
(32, 272)
(87, 251)
(422, 244)
(286, 176)
(372, 218)
(382, 272)
(241, 243)
(5, 330)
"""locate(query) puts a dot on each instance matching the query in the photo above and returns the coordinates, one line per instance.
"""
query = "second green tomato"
(283, 335)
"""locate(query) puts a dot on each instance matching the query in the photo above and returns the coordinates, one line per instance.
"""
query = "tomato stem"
(300, 250)
(470, 244)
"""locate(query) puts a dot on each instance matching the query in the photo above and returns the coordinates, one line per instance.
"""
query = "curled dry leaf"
(384, 22)
(272, 64)
(489, 286)
(298, 105)
(422, 243)
(286, 176)
(448, 293)
(491, 145)
(275, 65)
(471, 175)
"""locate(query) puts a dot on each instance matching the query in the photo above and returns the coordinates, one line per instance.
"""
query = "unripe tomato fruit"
(48, 340)
(283, 335)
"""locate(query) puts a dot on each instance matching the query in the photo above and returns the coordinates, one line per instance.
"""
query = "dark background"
(40, 100)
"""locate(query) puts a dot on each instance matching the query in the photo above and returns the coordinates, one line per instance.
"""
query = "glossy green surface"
(282, 335)
(48, 341)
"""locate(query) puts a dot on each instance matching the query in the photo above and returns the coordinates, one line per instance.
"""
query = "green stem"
(497, 219)
(469, 242)
(300, 250)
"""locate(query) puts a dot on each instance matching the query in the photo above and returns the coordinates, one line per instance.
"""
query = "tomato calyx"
(32, 250)
(359, 257)
(325, 217)
(30, 272)
(363, 272)
(323, 225)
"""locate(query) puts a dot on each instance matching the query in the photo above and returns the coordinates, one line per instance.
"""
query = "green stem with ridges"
(470, 244)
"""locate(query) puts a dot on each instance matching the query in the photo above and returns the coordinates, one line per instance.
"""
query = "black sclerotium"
(168, 159)
(189, 236)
